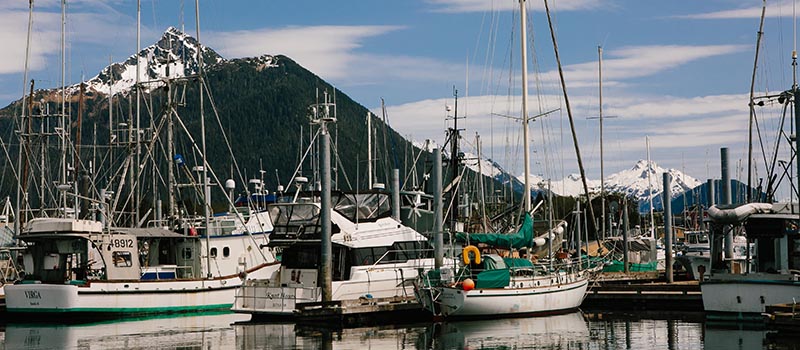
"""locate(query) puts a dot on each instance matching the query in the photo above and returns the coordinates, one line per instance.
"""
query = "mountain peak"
(174, 55)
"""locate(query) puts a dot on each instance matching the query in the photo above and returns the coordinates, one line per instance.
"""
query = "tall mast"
(206, 189)
(650, 189)
(602, 174)
(796, 93)
(369, 151)
(526, 142)
(21, 177)
(454, 162)
(63, 124)
(136, 173)
(752, 105)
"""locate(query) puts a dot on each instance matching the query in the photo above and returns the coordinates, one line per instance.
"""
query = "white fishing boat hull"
(743, 297)
(264, 298)
(534, 296)
(100, 298)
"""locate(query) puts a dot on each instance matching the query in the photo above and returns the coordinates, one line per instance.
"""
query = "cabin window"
(369, 256)
(301, 257)
(122, 259)
(341, 270)
(226, 252)
(187, 253)
(404, 251)
(213, 252)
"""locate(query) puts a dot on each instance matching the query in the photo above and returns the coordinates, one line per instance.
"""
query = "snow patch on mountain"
(635, 182)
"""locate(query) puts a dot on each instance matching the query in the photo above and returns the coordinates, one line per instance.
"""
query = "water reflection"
(194, 331)
(555, 332)
(231, 331)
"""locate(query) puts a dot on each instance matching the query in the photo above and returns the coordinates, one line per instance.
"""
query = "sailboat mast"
(526, 141)
(602, 173)
(650, 188)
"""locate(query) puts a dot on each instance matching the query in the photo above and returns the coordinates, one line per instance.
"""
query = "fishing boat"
(76, 267)
(743, 296)
(94, 245)
(770, 226)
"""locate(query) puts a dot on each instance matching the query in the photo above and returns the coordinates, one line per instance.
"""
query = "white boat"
(490, 285)
(99, 246)
(493, 286)
(374, 255)
(76, 268)
(695, 255)
(776, 277)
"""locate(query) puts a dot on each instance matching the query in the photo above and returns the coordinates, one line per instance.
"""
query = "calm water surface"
(232, 331)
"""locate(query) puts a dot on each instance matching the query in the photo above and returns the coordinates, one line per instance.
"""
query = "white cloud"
(742, 13)
(462, 6)
(677, 126)
(88, 22)
(326, 50)
(641, 61)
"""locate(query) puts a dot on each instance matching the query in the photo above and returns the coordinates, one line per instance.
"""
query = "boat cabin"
(76, 251)
(363, 234)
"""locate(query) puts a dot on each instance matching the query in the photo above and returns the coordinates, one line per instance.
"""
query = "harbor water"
(233, 331)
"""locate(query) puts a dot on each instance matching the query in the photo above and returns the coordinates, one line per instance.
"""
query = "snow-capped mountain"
(174, 56)
(634, 181)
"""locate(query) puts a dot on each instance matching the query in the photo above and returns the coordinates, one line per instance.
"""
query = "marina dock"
(648, 295)
(362, 311)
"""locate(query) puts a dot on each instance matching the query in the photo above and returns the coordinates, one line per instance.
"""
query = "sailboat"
(91, 256)
(490, 285)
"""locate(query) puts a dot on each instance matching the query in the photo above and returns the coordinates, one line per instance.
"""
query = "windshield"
(294, 214)
(363, 206)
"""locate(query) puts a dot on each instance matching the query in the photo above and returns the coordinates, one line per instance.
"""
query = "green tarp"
(517, 262)
(521, 239)
(618, 266)
(493, 279)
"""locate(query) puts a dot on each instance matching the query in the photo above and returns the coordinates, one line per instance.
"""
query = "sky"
(678, 72)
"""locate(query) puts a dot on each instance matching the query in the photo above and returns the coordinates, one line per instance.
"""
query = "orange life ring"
(473, 249)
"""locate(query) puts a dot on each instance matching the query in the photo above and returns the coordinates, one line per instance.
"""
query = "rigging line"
(569, 113)
(752, 105)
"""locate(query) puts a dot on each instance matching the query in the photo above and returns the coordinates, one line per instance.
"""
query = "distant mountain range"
(633, 182)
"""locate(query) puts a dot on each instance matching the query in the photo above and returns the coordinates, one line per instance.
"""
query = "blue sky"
(678, 71)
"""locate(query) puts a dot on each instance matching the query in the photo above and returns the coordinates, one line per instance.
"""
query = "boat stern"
(41, 298)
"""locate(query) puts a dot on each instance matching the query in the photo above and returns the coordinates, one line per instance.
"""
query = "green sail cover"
(493, 279)
(521, 239)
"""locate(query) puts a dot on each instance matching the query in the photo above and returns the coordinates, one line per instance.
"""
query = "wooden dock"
(341, 313)
(650, 296)
(783, 317)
